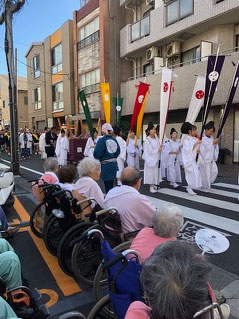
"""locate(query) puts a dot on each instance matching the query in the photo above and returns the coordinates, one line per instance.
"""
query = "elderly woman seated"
(175, 283)
(67, 176)
(86, 186)
(166, 225)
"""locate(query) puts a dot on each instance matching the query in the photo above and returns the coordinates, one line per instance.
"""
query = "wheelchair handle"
(58, 193)
(95, 231)
(106, 210)
(85, 200)
(132, 252)
(46, 186)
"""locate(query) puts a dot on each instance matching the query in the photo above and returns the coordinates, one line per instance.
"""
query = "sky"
(36, 20)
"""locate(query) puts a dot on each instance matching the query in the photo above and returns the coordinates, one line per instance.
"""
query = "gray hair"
(50, 164)
(174, 280)
(130, 176)
(87, 166)
(168, 221)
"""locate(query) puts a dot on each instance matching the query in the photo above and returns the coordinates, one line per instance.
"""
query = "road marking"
(22, 213)
(200, 199)
(203, 217)
(53, 296)
(26, 168)
(220, 192)
(231, 186)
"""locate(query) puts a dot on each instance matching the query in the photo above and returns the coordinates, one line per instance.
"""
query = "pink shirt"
(146, 241)
(138, 310)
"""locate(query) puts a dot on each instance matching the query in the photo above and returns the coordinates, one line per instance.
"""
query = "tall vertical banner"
(142, 91)
(105, 92)
(84, 103)
(166, 90)
(118, 102)
(140, 116)
(229, 101)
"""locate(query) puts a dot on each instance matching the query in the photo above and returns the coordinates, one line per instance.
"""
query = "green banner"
(82, 98)
(118, 102)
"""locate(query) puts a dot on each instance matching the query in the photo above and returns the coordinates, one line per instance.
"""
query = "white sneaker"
(205, 190)
(225, 311)
(152, 190)
(175, 185)
(190, 191)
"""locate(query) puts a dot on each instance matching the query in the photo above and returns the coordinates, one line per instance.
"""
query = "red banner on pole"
(142, 90)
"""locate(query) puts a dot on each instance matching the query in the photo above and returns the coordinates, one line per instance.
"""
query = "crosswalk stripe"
(203, 217)
(201, 199)
(220, 192)
(231, 186)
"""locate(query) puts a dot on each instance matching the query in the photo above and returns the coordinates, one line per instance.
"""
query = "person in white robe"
(189, 150)
(135, 210)
(173, 166)
(122, 157)
(42, 144)
(208, 156)
(62, 148)
(134, 150)
(164, 158)
(151, 156)
(90, 144)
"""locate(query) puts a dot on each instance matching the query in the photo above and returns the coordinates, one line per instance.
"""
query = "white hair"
(87, 166)
(50, 164)
(168, 221)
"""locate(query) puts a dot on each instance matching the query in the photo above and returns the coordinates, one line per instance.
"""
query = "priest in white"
(122, 157)
(208, 156)
(62, 148)
(90, 144)
(134, 150)
(151, 157)
(190, 149)
(173, 165)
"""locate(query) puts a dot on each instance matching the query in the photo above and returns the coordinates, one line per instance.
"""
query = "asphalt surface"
(218, 209)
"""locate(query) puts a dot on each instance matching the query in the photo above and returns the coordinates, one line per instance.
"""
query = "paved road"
(218, 209)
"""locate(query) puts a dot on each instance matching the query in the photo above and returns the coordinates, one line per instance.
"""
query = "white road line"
(221, 192)
(26, 168)
(203, 217)
(201, 199)
(231, 186)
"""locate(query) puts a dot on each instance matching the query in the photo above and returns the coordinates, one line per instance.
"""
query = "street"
(218, 209)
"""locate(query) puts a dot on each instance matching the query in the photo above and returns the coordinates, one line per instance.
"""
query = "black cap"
(186, 127)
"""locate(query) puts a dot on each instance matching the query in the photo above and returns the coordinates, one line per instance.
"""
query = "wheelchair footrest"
(44, 310)
(36, 295)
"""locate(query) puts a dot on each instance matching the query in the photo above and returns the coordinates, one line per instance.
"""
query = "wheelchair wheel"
(52, 235)
(86, 257)
(100, 286)
(98, 310)
(64, 250)
(38, 219)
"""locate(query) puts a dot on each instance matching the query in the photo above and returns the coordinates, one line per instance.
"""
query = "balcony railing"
(140, 29)
(94, 37)
(91, 88)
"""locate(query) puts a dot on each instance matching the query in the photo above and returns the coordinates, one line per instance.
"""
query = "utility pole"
(10, 7)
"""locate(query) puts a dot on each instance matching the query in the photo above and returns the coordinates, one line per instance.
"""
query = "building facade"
(183, 33)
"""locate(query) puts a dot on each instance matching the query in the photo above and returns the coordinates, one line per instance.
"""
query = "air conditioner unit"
(158, 64)
(149, 2)
(153, 52)
(172, 49)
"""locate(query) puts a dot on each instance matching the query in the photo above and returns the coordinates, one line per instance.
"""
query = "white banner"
(166, 90)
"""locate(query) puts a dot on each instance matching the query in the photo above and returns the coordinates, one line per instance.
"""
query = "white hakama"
(122, 157)
(151, 156)
(62, 148)
(164, 159)
(173, 165)
(192, 173)
(133, 153)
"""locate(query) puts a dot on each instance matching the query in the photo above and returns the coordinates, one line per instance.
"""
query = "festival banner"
(142, 90)
(118, 102)
(105, 92)
(229, 101)
(140, 116)
(166, 90)
(82, 97)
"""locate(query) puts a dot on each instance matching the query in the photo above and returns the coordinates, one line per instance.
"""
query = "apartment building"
(50, 79)
(22, 102)
(96, 53)
(183, 33)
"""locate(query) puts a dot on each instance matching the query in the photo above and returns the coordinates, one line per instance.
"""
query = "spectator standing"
(35, 137)
(50, 140)
(42, 144)
(25, 141)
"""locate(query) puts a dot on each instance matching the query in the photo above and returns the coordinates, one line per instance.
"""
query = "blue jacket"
(106, 151)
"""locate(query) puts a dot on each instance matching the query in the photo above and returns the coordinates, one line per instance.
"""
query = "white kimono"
(22, 142)
(42, 144)
(164, 158)
(133, 153)
(173, 165)
(207, 161)
(122, 157)
(89, 151)
(62, 148)
(192, 173)
(151, 156)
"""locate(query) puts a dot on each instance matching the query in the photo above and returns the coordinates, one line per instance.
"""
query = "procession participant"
(90, 144)
(164, 153)
(42, 144)
(122, 157)
(189, 150)
(151, 156)
(35, 137)
(62, 148)
(50, 140)
(134, 149)
(106, 151)
(208, 156)
(173, 166)
(135, 210)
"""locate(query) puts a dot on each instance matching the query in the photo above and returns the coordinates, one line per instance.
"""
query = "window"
(36, 98)
(191, 56)
(90, 81)
(3, 104)
(140, 29)
(25, 100)
(56, 59)
(89, 33)
(178, 9)
(36, 65)
(57, 96)
(148, 68)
